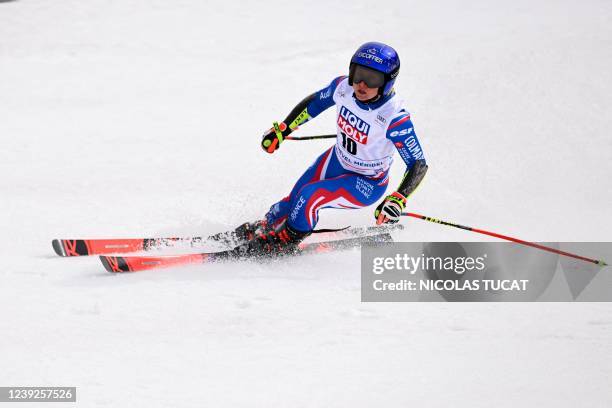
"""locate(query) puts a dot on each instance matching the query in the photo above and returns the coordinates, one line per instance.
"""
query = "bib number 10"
(349, 144)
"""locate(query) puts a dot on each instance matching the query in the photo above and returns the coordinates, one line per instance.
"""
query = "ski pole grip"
(279, 132)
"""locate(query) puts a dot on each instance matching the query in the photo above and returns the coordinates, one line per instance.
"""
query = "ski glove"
(390, 210)
(272, 139)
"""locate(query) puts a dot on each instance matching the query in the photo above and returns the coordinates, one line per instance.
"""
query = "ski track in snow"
(134, 118)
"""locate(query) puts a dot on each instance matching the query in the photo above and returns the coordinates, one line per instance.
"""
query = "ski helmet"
(378, 57)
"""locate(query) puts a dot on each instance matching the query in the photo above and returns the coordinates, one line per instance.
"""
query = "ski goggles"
(372, 78)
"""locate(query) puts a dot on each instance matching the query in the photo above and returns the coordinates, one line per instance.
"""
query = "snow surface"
(141, 118)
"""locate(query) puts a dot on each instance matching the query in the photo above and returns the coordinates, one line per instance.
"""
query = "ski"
(119, 264)
(85, 247)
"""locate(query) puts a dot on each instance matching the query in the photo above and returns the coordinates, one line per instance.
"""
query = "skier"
(370, 122)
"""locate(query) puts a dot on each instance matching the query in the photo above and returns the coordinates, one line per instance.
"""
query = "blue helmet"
(379, 57)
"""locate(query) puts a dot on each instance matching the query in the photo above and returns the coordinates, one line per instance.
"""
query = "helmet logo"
(370, 57)
(372, 50)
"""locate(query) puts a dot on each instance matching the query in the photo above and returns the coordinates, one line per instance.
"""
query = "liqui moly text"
(353, 126)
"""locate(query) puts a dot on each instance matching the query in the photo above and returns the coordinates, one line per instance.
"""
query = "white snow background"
(143, 118)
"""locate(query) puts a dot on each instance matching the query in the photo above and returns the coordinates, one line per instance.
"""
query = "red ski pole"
(507, 238)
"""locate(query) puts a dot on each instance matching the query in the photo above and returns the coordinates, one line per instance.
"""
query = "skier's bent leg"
(345, 191)
(279, 211)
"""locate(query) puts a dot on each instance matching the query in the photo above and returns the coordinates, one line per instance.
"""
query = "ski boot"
(282, 240)
(249, 230)
(241, 234)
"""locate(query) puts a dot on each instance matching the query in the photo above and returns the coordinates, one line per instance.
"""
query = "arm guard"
(312, 105)
(412, 178)
(299, 114)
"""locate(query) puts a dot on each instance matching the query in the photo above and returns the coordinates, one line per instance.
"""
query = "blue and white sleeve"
(401, 133)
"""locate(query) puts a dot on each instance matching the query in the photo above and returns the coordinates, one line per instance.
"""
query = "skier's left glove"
(390, 210)
(272, 139)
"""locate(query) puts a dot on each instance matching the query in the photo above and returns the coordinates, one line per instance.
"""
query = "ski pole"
(507, 238)
(311, 137)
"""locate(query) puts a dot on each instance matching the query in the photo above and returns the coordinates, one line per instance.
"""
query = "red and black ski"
(83, 247)
(118, 264)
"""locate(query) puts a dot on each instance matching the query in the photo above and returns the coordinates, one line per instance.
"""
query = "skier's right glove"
(272, 139)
